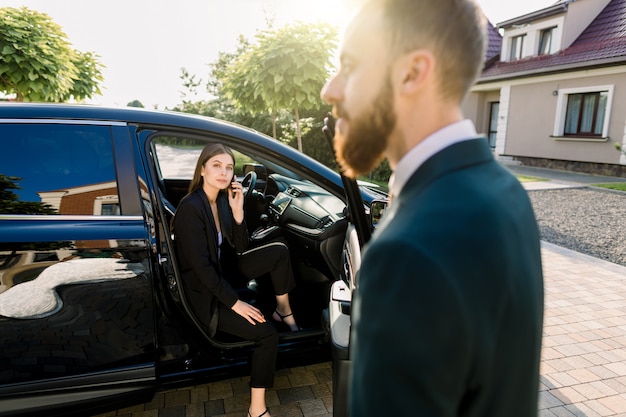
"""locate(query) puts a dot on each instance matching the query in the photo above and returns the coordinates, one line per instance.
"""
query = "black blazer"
(195, 235)
(448, 309)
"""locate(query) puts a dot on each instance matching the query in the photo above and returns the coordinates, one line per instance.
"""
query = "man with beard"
(448, 309)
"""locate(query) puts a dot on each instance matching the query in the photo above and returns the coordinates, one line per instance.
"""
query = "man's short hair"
(453, 30)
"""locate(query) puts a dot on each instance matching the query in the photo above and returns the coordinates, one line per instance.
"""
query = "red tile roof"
(602, 43)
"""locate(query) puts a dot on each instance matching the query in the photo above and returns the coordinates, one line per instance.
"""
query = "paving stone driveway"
(583, 368)
(303, 391)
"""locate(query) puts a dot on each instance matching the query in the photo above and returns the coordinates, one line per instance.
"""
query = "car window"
(176, 158)
(57, 169)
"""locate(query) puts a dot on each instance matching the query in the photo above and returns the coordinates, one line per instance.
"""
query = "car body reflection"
(38, 298)
(72, 299)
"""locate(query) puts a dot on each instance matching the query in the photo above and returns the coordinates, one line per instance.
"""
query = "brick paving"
(297, 392)
(583, 368)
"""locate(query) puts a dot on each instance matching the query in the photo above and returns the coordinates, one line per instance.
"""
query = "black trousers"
(273, 259)
(263, 361)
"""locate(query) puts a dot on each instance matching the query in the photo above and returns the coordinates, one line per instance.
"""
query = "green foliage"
(382, 184)
(529, 178)
(238, 85)
(281, 123)
(38, 62)
(240, 161)
(85, 85)
(135, 103)
(381, 173)
(314, 142)
(619, 186)
(221, 67)
(618, 147)
(284, 70)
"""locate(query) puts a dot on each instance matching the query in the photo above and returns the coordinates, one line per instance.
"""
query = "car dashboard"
(304, 208)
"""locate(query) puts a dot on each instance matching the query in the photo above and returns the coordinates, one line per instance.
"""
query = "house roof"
(557, 8)
(494, 43)
(602, 43)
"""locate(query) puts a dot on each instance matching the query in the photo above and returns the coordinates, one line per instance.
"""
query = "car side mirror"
(377, 210)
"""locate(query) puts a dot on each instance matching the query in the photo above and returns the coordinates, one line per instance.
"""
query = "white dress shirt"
(441, 139)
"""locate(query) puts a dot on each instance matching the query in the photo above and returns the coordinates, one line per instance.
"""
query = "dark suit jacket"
(448, 309)
(196, 247)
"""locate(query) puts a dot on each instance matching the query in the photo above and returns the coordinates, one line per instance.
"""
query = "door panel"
(76, 294)
(357, 235)
(340, 321)
(77, 395)
(74, 308)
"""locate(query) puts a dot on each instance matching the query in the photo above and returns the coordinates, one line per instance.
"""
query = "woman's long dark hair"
(208, 152)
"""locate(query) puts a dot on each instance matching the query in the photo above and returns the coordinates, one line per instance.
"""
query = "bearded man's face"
(361, 139)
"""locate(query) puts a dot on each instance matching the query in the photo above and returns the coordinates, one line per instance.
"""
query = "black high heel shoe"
(281, 319)
(266, 410)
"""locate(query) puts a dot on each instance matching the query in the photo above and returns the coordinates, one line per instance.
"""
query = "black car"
(92, 316)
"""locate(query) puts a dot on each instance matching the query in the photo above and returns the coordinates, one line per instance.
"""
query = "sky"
(143, 44)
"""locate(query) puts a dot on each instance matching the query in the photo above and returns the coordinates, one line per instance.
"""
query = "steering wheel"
(248, 183)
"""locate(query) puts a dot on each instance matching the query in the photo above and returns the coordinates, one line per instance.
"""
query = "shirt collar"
(420, 153)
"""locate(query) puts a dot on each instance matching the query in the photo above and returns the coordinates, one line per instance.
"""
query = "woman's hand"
(248, 312)
(235, 199)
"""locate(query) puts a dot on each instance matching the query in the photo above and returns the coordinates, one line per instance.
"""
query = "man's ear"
(415, 69)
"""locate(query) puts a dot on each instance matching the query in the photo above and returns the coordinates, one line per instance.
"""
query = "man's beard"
(362, 149)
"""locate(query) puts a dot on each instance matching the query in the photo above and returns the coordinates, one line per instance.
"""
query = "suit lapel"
(453, 158)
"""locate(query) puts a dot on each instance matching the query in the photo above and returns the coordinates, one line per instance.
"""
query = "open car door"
(357, 235)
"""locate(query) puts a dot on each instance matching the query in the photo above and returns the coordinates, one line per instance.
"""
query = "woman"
(209, 226)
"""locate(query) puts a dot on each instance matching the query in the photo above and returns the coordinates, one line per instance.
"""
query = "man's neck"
(414, 132)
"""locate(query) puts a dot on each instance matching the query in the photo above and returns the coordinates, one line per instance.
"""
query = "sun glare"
(334, 12)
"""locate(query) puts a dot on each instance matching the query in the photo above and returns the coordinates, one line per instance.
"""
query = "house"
(91, 199)
(553, 89)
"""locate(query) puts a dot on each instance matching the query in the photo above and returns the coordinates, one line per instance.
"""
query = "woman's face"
(218, 171)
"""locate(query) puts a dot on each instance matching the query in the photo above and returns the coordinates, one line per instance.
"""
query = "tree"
(38, 62)
(189, 105)
(284, 70)
(135, 103)
(10, 203)
(221, 106)
(231, 81)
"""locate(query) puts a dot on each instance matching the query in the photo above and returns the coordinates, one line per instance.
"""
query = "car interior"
(278, 205)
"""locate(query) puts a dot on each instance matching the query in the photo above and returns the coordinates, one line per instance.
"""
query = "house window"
(107, 205)
(545, 41)
(110, 210)
(585, 114)
(493, 123)
(517, 47)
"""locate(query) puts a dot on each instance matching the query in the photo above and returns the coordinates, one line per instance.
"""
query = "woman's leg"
(283, 312)
(257, 403)
(263, 362)
(273, 258)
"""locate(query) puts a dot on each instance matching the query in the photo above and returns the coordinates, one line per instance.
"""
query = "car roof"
(147, 117)
(115, 114)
